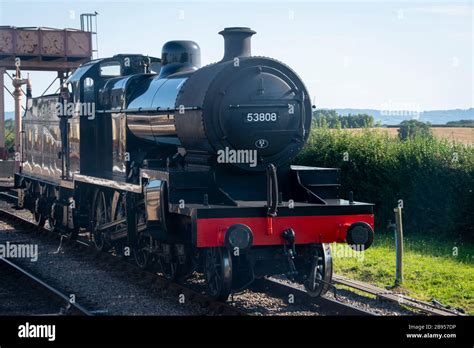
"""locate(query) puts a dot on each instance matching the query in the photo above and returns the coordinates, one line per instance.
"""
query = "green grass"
(431, 269)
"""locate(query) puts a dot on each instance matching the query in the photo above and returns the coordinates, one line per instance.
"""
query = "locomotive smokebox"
(237, 42)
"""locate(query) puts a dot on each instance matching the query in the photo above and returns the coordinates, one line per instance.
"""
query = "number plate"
(258, 117)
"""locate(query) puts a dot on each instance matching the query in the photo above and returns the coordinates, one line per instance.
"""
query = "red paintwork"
(267, 231)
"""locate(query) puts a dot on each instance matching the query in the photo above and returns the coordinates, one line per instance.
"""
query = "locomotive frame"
(140, 171)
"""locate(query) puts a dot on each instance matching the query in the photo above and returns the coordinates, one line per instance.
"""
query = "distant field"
(458, 134)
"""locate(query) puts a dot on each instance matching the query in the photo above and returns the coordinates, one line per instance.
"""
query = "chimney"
(237, 42)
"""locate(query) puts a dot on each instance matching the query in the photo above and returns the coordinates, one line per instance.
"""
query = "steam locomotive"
(188, 167)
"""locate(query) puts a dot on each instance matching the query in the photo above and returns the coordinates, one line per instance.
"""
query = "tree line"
(408, 129)
(331, 119)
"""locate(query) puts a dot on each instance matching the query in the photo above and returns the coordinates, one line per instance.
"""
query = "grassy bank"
(443, 270)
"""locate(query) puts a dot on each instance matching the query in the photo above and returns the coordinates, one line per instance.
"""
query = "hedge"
(433, 177)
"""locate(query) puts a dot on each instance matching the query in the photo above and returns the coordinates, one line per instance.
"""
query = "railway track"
(109, 261)
(31, 295)
(272, 287)
(299, 295)
(383, 294)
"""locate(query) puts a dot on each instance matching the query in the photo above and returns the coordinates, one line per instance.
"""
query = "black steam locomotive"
(188, 167)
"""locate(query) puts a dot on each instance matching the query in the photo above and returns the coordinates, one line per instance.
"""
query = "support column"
(3, 154)
(399, 247)
(17, 94)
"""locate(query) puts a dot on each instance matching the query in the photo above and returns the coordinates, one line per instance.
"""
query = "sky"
(350, 54)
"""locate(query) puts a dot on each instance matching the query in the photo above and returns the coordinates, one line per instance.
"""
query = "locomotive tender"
(189, 167)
